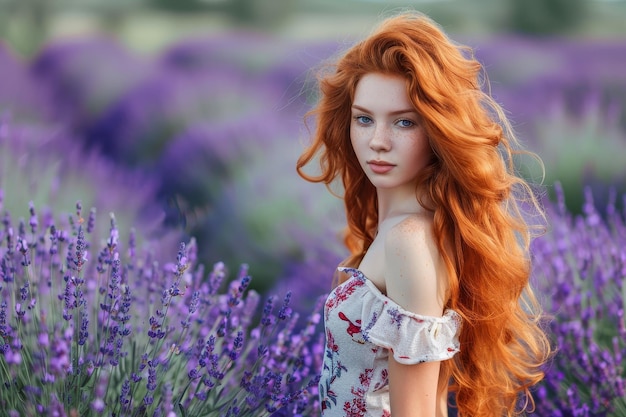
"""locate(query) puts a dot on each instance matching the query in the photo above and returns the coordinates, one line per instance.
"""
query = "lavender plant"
(137, 128)
(18, 95)
(580, 271)
(82, 77)
(41, 162)
(90, 326)
(566, 97)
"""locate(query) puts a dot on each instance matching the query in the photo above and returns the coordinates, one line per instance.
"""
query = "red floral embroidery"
(382, 381)
(366, 377)
(345, 389)
(356, 408)
(352, 328)
(342, 293)
(330, 342)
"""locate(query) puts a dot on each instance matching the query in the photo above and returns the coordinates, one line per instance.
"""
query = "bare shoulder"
(414, 271)
(412, 236)
(411, 225)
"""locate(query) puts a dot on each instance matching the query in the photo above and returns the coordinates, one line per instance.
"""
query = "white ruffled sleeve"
(410, 337)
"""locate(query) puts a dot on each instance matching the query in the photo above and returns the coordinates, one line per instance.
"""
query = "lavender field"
(199, 294)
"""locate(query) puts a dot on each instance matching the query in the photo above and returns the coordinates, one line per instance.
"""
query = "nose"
(381, 139)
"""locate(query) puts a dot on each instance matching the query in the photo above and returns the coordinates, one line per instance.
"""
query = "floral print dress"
(363, 326)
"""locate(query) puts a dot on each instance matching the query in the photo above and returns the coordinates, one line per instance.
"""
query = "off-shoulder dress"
(363, 326)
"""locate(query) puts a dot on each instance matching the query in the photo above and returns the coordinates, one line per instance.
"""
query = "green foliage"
(547, 17)
(178, 5)
(581, 151)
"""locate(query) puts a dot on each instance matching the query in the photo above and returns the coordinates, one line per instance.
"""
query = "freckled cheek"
(358, 141)
(416, 142)
(357, 133)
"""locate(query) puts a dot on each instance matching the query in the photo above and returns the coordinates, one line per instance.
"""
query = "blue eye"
(405, 123)
(364, 120)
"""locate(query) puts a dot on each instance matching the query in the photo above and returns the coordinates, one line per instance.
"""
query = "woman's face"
(387, 134)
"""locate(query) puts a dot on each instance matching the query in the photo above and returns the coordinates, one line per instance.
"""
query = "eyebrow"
(393, 113)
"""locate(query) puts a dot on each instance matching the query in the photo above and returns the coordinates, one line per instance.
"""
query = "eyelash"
(360, 120)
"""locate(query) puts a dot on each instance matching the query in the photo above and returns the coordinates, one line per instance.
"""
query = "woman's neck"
(394, 204)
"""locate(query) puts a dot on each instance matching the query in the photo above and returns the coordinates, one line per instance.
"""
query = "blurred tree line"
(35, 15)
(532, 17)
(547, 17)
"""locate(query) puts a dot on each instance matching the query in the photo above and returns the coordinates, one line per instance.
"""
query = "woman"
(435, 294)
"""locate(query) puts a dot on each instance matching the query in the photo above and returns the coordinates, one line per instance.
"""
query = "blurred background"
(186, 116)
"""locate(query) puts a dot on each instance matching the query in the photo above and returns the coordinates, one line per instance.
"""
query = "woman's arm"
(416, 279)
(413, 389)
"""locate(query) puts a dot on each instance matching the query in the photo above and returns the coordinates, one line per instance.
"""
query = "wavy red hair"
(474, 192)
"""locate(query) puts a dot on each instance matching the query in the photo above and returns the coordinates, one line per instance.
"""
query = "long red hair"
(474, 192)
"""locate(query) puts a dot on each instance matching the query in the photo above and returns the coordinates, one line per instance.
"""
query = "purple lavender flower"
(81, 78)
(34, 222)
(81, 349)
(579, 273)
(47, 158)
(285, 309)
(18, 91)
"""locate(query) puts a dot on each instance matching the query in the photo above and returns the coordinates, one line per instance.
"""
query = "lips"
(380, 167)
